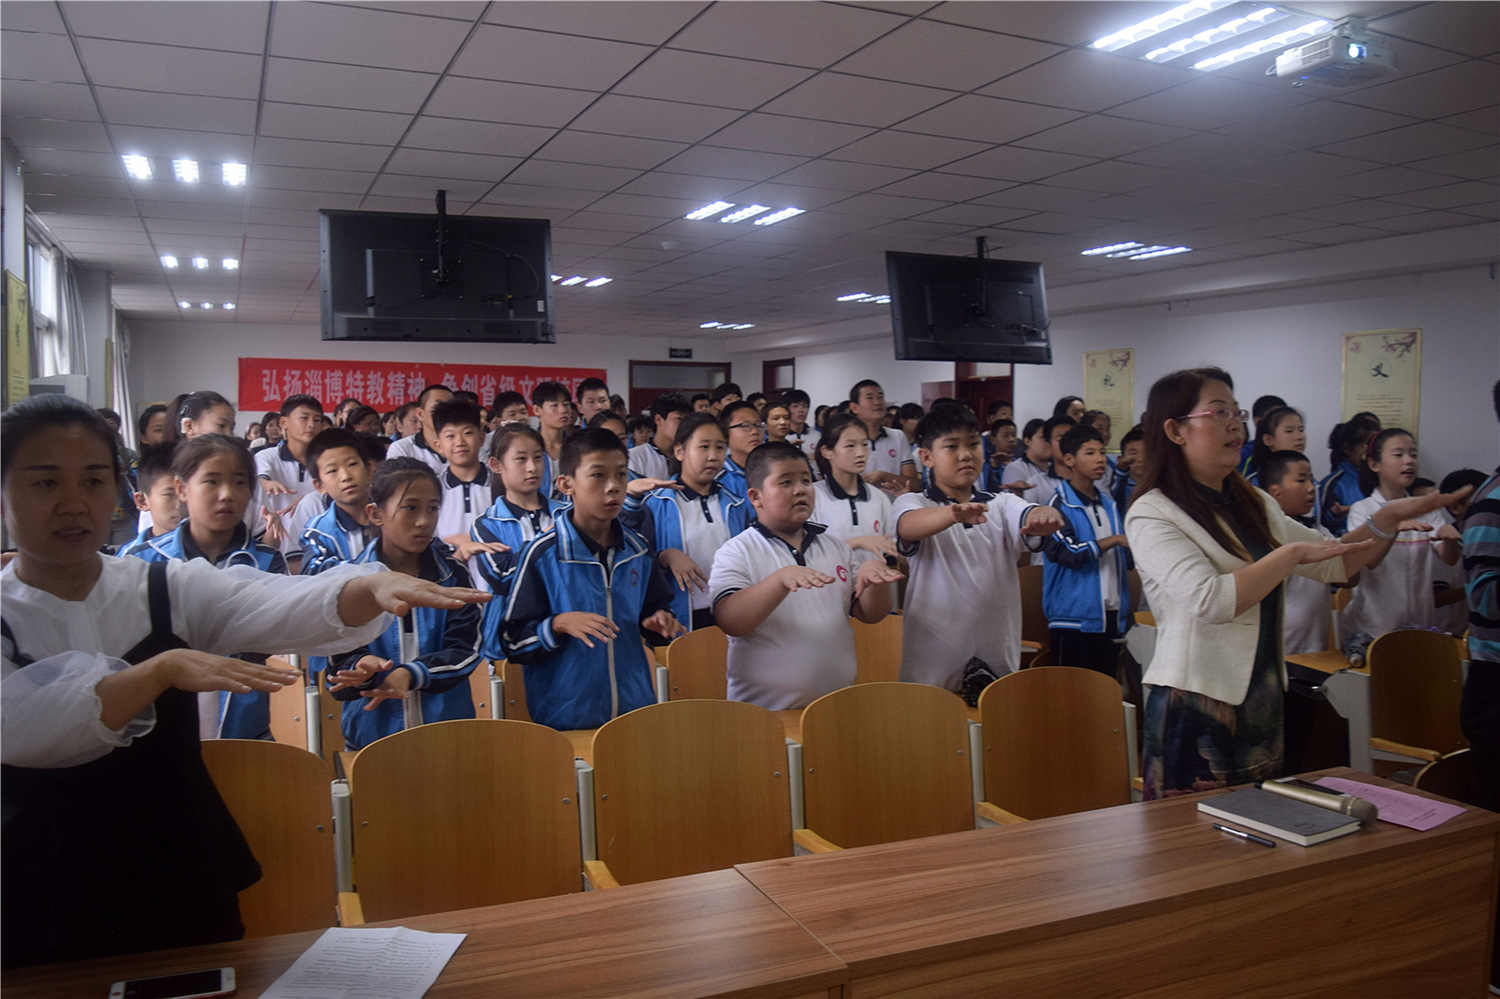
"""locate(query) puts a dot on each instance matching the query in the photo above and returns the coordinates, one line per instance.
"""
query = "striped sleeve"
(1481, 555)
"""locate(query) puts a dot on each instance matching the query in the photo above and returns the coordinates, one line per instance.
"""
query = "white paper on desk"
(1397, 807)
(348, 963)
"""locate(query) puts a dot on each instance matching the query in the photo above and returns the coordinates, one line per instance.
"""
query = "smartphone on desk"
(191, 985)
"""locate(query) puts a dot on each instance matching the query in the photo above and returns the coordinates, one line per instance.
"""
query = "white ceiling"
(897, 126)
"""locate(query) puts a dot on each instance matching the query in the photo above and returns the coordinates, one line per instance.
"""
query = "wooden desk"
(1149, 900)
(1329, 661)
(1348, 693)
(705, 935)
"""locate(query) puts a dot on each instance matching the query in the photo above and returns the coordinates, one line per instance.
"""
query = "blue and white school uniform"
(866, 512)
(732, 477)
(1398, 593)
(647, 461)
(278, 465)
(223, 715)
(332, 538)
(1340, 486)
(1082, 585)
(416, 446)
(148, 534)
(439, 648)
(464, 502)
(693, 523)
(1043, 488)
(888, 452)
(516, 528)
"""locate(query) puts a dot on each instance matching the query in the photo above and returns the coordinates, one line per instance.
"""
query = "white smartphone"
(192, 985)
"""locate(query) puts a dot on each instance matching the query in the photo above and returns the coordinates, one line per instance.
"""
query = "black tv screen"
(383, 277)
(967, 309)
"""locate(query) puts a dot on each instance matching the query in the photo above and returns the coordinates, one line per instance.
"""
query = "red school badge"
(843, 574)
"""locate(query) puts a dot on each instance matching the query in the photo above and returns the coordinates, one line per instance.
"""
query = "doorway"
(649, 379)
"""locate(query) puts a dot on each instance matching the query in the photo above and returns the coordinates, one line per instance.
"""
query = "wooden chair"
(696, 665)
(1054, 743)
(1034, 636)
(289, 710)
(423, 799)
(884, 762)
(513, 686)
(279, 796)
(479, 690)
(684, 787)
(1451, 776)
(877, 649)
(1416, 682)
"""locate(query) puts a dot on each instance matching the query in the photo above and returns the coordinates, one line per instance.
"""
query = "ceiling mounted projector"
(1345, 57)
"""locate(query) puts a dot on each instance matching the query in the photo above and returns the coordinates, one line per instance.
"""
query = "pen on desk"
(1244, 835)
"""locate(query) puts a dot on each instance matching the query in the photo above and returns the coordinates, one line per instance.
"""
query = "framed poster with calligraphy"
(1383, 375)
(385, 385)
(1109, 386)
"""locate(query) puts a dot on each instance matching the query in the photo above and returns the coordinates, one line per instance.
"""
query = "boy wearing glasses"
(745, 431)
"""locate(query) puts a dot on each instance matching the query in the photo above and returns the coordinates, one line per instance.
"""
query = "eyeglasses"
(1220, 415)
(743, 426)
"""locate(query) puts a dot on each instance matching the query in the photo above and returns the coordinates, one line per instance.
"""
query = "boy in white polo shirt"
(964, 598)
(783, 590)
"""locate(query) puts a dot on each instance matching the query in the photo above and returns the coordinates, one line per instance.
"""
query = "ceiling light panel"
(713, 208)
(1218, 32)
(185, 171)
(1264, 46)
(775, 217)
(1167, 21)
(233, 174)
(749, 211)
(137, 167)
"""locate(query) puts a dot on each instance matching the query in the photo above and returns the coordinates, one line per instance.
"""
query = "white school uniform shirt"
(646, 461)
(845, 516)
(49, 713)
(963, 594)
(278, 465)
(416, 446)
(888, 452)
(805, 648)
(1043, 488)
(1398, 592)
(704, 532)
(1307, 609)
(464, 502)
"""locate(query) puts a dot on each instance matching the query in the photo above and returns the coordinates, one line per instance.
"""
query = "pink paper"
(1397, 807)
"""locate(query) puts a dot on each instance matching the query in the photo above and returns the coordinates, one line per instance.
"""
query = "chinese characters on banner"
(1382, 374)
(385, 385)
(1109, 386)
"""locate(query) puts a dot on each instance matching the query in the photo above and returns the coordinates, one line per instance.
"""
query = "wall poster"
(1109, 386)
(17, 340)
(265, 381)
(1383, 374)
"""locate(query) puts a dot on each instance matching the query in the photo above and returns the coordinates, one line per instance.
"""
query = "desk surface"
(705, 935)
(1048, 907)
(1330, 661)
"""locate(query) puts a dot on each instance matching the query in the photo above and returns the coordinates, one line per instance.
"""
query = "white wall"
(826, 373)
(171, 357)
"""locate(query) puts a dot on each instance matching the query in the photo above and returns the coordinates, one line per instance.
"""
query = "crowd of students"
(593, 533)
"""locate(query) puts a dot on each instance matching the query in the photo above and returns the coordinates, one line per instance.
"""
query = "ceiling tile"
(1114, 177)
(842, 175)
(165, 143)
(52, 183)
(857, 100)
(538, 57)
(884, 206)
(488, 100)
(943, 55)
(807, 34)
(46, 58)
(170, 69)
(1017, 164)
(1411, 142)
(1459, 26)
(522, 197)
(698, 190)
(784, 134)
(649, 23)
(139, 107)
(1103, 136)
(639, 116)
(717, 80)
(72, 163)
(32, 99)
(319, 155)
(1331, 120)
(465, 166)
(489, 138)
(735, 164)
(1042, 198)
(1388, 180)
(1485, 120)
(230, 27)
(1427, 222)
(1451, 90)
(1451, 195)
(364, 36)
(395, 185)
(307, 121)
(987, 119)
(577, 176)
(298, 81)
(1208, 102)
(41, 17)
(1475, 163)
(944, 187)
(575, 146)
(304, 179)
(1087, 81)
(907, 149)
(1064, 23)
(1208, 151)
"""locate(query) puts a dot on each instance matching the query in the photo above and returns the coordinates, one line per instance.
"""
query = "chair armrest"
(997, 815)
(351, 912)
(597, 871)
(812, 842)
(1027, 646)
(1401, 749)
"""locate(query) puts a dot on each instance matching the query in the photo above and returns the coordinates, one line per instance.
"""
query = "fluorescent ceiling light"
(1263, 46)
(557, 277)
(229, 306)
(208, 305)
(184, 305)
(1164, 251)
(201, 263)
(575, 279)
(168, 261)
(743, 326)
(1111, 248)
(749, 211)
(234, 174)
(708, 326)
(707, 210)
(1152, 26)
(1213, 36)
(1138, 248)
(138, 167)
(598, 282)
(186, 170)
(785, 213)
(881, 300)
(858, 296)
(231, 264)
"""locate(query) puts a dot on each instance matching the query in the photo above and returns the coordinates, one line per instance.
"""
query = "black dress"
(131, 852)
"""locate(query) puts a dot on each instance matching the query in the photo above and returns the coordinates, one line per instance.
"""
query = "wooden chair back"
(289, 710)
(1033, 619)
(884, 762)
(421, 797)
(684, 787)
(1054, 742)
(697, 665)
(1416, 682)
(479, 689)
(877, 650)
(513, 676)
(330, 714)
(280, 797)
(1452, 776)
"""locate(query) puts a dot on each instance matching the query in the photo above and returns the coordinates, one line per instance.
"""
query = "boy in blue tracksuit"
(341, 468)
(1085, 586)
(583, 596)
(417, 670)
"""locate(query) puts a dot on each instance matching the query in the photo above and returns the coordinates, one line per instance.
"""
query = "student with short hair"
(282, 474)
(744, 431)
(1348, 446)
(151, 426)
(778, 420)
(891, 466)
(1132, 456)
(653, 460)
(363, 419)
(420, 441)
(1085, 580)
(784, 590)
(1027, 476)
(417, 670)
(801, 433)
(554, 410)
(609, 420)
(467, 485)
(1307, 612)
(1000, 449)
(341, 467)
(509, 407)
(584, 595)
(688, 518)
(593, 399)
(156, 496)
(963, 599)
(849, 508)
(723, 395)
(640, 429)
(701, 403)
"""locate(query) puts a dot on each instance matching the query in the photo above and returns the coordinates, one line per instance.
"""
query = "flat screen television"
(967, 309)
(395, 276)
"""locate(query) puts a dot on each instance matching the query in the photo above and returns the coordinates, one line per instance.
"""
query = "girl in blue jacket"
(520, 513)
(417, 671)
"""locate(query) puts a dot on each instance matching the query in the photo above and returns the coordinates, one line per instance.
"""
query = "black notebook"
(1279, 816)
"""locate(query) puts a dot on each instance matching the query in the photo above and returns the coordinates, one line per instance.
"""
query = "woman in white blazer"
(1213, 552)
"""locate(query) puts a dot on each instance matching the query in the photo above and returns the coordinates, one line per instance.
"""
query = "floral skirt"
(1195, 743)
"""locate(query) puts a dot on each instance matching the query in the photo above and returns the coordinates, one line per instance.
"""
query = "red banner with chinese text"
(385, 385)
